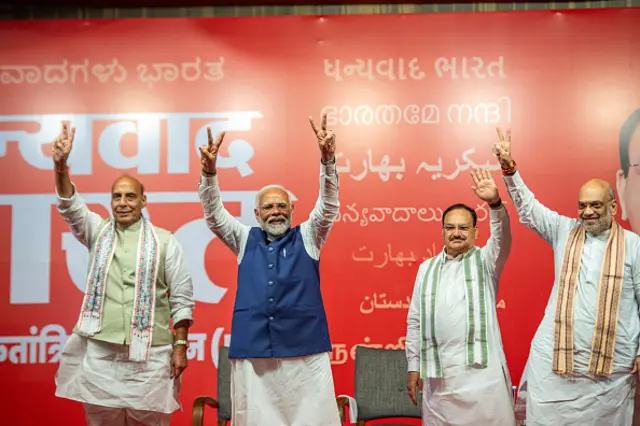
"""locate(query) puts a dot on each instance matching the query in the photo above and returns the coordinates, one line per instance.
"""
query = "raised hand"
(326, 139)
(209, 152)
(502, 149)
(61, 146)
(485, 187)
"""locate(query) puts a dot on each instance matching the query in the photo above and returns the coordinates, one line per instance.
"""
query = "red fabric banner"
(414, 101)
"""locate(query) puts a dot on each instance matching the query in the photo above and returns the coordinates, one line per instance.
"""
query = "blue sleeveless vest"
(278, 309)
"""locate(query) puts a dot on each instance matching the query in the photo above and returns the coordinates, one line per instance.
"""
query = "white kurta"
(100, 373)
(581, 399)
(465, 396)
(279, 391)
(284, 392)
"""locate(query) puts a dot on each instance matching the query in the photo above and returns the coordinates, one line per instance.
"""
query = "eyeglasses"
(462, 228)
(636, 167)
(595, 205)
(283, 207)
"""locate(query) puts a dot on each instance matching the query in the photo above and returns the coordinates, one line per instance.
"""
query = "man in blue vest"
(279, 351)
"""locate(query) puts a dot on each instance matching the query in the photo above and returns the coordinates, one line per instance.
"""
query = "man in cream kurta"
(279, 351)
(464, 380)
(120, 360)
(580, 396)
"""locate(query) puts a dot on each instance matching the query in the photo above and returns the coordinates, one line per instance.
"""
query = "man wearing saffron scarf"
(122, 360)
(585, 352)
(454, 350)
(279, 351)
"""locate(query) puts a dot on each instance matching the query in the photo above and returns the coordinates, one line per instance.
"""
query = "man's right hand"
(61, 147)
(209, 153)
(502, 149)
(414, 384)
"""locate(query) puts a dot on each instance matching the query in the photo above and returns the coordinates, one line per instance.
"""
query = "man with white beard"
(279, 350)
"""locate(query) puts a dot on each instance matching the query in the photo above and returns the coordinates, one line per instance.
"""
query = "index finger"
(500, 135)
(313, 125)
(324, 121)
(64, 131)
(73, 134)
(509, 135)
(209, 137)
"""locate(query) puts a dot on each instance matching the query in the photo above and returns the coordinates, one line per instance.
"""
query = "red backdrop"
(413, 99)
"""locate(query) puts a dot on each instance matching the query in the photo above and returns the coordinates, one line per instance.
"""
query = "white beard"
(276, 230)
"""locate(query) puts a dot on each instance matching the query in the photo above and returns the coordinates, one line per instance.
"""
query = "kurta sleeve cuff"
(513, 181)
(209, 180)
(329, 168)
(182, 315)
(497, 214)
(413, 365)
(66, 203)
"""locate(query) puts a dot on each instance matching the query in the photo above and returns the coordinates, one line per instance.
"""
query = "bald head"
(596, 205)
(127, 200)
(599, 188)
(130, 180)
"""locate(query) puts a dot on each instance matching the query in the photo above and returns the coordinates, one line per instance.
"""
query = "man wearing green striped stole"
(454, 349)
(585, 353)
(122, 361)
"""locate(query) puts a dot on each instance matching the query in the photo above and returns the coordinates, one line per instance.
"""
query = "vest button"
(271, 299)
(271, 266)
(270, 318)
(270, 248)
(270, 283)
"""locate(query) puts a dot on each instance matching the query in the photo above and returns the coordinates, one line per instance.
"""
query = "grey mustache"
(271, 219)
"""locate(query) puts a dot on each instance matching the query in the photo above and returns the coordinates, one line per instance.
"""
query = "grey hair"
(612, 194)
(270, 187)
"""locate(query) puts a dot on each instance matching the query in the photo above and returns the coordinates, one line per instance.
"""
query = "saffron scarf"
(609, 290)
(90, 321)
(476, 346)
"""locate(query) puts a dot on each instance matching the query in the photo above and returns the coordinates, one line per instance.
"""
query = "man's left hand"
(178, 361)
(326, 139)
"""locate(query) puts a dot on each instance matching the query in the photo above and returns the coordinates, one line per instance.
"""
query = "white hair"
(270, 187)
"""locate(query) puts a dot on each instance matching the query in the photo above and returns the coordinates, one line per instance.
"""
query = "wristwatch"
(181, 342)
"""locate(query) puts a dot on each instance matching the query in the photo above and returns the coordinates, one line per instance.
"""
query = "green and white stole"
(476, 347)
(90, 321)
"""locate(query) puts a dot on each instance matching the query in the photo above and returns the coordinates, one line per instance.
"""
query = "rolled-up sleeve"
(181, 301)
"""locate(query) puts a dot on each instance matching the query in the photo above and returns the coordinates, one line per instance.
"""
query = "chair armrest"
(348, 401)
(197, 415)
(342, 403)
